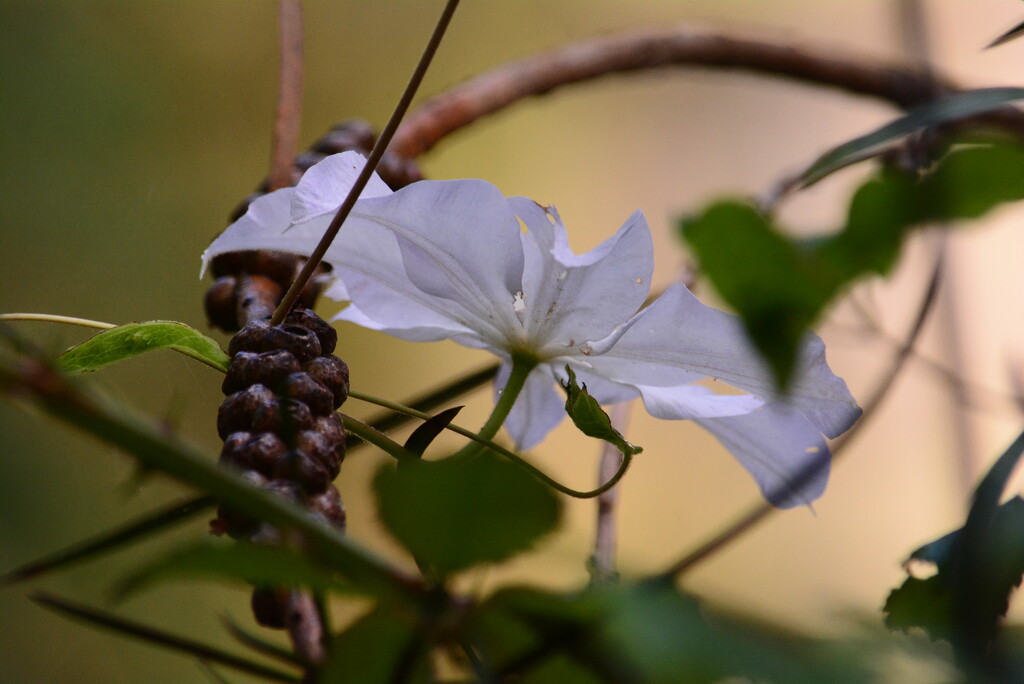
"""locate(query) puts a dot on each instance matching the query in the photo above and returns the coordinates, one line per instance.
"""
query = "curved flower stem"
(376, 438)
(510, 455)
(53, 318)
(522, 366)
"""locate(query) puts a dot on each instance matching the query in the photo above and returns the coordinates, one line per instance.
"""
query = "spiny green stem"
(512, 456)
(53, 318)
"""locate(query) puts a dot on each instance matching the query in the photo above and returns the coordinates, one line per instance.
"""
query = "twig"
(287, 119)
(902, 86)
(750, 519)
(602, 561)
(371, 163)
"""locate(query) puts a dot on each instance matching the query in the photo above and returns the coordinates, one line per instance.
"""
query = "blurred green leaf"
(590, 418)
(939, 111)
(105, 620)
(258, 565)
(779, 286)
(381, 647)
(464, 510)
(924, 603)
(426, 433)
(132, 339)
(112, 540)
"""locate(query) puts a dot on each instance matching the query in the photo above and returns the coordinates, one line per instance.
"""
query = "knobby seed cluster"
(280, 428)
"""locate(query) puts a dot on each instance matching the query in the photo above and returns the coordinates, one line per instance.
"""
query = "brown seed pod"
(329, 506)
(285, 417)
(333, 430)
(251, 338)
(270, 607)
(332, 373)
(302, 469)
(303, 387)
(257, 297)
(321, 450)
(221, 304)
(258, 453)
(301, 342)
(272, 368)
(238, 411)
(324, 331)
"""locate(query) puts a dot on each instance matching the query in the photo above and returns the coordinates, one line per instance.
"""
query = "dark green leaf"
(464, 510)
(590, 418)
(921, 603)
(126, 341)
(942, 110)
(254, 564)
(158, 637)
(380, 648)
(156, 450)
(779, 286)
(112, 540)
(426, 433)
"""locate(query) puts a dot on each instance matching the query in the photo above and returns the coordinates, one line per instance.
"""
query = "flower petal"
(325, 185)
(784, 451)
(679, 337)
(569, 298)
(537, 411)
(687, 402)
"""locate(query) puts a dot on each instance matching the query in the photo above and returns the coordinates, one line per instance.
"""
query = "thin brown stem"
(602, 560)
(287, 118)
(901, 85)
(371, 163)
(751, 518)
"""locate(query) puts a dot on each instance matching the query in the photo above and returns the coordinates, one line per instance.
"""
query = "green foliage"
(464, 510)
(256, 564)
(590, 418)
(779, 285)
(426, 433)
(132, 339)
(977, 569)
(381, 647)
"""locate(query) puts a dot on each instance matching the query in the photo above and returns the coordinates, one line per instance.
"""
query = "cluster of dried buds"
(280, 428)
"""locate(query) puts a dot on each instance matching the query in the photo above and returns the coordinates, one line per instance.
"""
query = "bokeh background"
(129, 130)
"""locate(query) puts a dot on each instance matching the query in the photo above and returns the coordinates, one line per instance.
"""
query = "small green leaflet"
(132, 339)
(590, 418)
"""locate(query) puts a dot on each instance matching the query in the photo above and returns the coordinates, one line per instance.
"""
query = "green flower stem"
(512, 456)
(53, 318)
(375, 437)
(521, 368)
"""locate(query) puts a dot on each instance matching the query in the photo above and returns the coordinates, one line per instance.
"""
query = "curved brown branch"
(492, 91)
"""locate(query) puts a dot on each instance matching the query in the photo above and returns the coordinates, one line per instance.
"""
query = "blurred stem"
(371, 163)
(53, 318)
(288, 116)
(376, 438)
(602, 561)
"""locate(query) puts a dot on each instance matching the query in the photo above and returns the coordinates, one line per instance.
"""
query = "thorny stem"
(512, 456)
(763, 510)
(371, 163)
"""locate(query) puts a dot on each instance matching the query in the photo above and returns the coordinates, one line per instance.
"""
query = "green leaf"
(113, 540)
(780, 286)
(381, 647)
(105, 620)
(590, 418)
(464, 510)
(132, 339)
(254, 564)
(922, 603)
(942, 110)
(426, 433)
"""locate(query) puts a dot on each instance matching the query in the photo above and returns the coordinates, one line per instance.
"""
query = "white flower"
(458, 260)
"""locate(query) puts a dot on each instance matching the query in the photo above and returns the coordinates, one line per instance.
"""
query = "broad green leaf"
(132, 339)
(113, 540)
(942, 110)
(426, 433)
(257, 565)
(921, 603)
(590, 418)
(381, 647)
(157, 637)
(464, 510)
(155, 450)
(780, 286)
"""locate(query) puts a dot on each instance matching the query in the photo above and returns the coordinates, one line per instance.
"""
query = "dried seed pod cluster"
(279, 424)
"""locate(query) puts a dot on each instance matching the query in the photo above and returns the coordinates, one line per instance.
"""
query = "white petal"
(783, 450)
(261, 227)
(695, 401)
(325, 185)
(450, 248)
(570, 298)
(537, 411)
(678, 336)
(415, 324)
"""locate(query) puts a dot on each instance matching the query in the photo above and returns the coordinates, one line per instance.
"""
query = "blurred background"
(128, 131)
